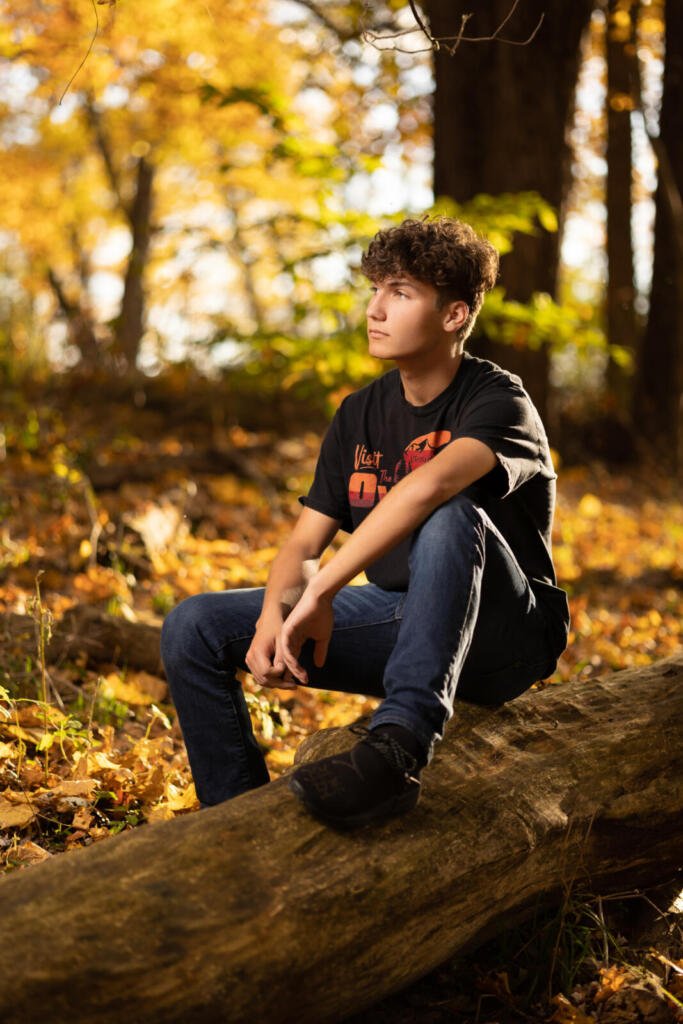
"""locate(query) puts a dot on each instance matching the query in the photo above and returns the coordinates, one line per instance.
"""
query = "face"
(405, 322)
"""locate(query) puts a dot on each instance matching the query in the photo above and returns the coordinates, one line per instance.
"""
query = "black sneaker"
(375, 780)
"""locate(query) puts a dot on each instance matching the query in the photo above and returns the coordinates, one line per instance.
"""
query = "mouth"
(374, 333)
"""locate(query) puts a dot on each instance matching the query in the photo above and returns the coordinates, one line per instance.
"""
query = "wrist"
(270, 618)
(322, 587)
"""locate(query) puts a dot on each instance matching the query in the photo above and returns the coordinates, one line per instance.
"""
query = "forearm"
(406, 505)
(287, 580)
(403, 509)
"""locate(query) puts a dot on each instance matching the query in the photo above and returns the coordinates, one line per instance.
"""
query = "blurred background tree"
(183, 186)
(658, 405)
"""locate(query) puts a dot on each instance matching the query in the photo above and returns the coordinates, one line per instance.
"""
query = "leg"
(470, 624)
(204, 642)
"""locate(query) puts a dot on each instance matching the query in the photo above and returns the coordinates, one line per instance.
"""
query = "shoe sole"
(389, 809)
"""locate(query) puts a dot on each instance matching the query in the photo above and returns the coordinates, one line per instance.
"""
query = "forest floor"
(129, 510)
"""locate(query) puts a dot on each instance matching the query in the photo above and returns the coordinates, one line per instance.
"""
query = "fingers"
(258, 661)
(267, 665)
(278, 660)
(278, 675)
(280, 682)
(291, 647)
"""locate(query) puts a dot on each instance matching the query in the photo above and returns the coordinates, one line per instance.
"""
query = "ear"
(455, 315)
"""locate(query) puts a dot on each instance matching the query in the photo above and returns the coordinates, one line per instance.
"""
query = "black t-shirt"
(377, 437)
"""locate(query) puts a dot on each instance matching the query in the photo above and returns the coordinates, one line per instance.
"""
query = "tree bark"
(130, 324)
(501, 114)
(255, 911)
(621, 319)
(658, 400)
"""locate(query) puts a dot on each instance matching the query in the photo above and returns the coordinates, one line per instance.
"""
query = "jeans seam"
(465, 617)
(243, 755)
(363, 625)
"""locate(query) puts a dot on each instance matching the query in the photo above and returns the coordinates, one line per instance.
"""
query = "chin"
(379, 349)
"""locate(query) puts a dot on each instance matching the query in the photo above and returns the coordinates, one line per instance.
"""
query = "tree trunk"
(500, 119)
(659, 379)
(79, 321)
(255, 911)
(130, 325)
(621, 321)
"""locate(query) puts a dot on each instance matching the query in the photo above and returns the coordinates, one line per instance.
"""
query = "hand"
(311, 619)
(264, 658)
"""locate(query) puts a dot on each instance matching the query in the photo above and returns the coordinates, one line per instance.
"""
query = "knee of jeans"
(178, 627)
(449, 520)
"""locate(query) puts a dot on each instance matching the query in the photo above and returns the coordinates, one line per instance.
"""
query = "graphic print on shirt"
(370, 482)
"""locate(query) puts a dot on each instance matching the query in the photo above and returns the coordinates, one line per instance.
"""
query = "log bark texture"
(105, 639)
(252, 910)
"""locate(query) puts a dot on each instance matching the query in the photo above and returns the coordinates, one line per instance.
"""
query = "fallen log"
(252, 910)
(88, 631)
(107, 639)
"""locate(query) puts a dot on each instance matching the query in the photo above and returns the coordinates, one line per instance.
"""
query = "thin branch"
(436, 42)
(92, 43)
(419, 21)
(503, 22)
(450, 50)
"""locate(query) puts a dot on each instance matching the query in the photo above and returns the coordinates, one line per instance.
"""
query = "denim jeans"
(468, 627)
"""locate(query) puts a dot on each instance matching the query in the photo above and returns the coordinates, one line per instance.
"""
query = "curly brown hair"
(443, 252)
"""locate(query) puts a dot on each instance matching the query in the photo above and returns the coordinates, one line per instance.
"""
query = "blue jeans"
(468, 627)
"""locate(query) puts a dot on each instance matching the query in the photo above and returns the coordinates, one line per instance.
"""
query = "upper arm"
(504, 418)
(313, 532)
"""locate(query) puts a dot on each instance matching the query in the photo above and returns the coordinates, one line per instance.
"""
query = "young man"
(441, 473)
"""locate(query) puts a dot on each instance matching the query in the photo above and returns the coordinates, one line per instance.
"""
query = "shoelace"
(390, 749)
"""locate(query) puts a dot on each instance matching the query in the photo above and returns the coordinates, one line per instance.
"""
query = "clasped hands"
(273, 656)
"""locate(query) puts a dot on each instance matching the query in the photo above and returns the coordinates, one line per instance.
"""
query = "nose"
(375, 309)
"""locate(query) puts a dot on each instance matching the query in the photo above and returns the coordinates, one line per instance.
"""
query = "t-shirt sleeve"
(503, 417)
(328, 493)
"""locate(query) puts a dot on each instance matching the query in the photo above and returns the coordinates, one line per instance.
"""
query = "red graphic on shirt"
(420, 450)
(366, 489)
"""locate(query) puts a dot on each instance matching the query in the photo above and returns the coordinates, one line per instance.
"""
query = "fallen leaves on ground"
(104, 752)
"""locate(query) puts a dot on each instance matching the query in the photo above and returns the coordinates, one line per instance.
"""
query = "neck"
(422, 383)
